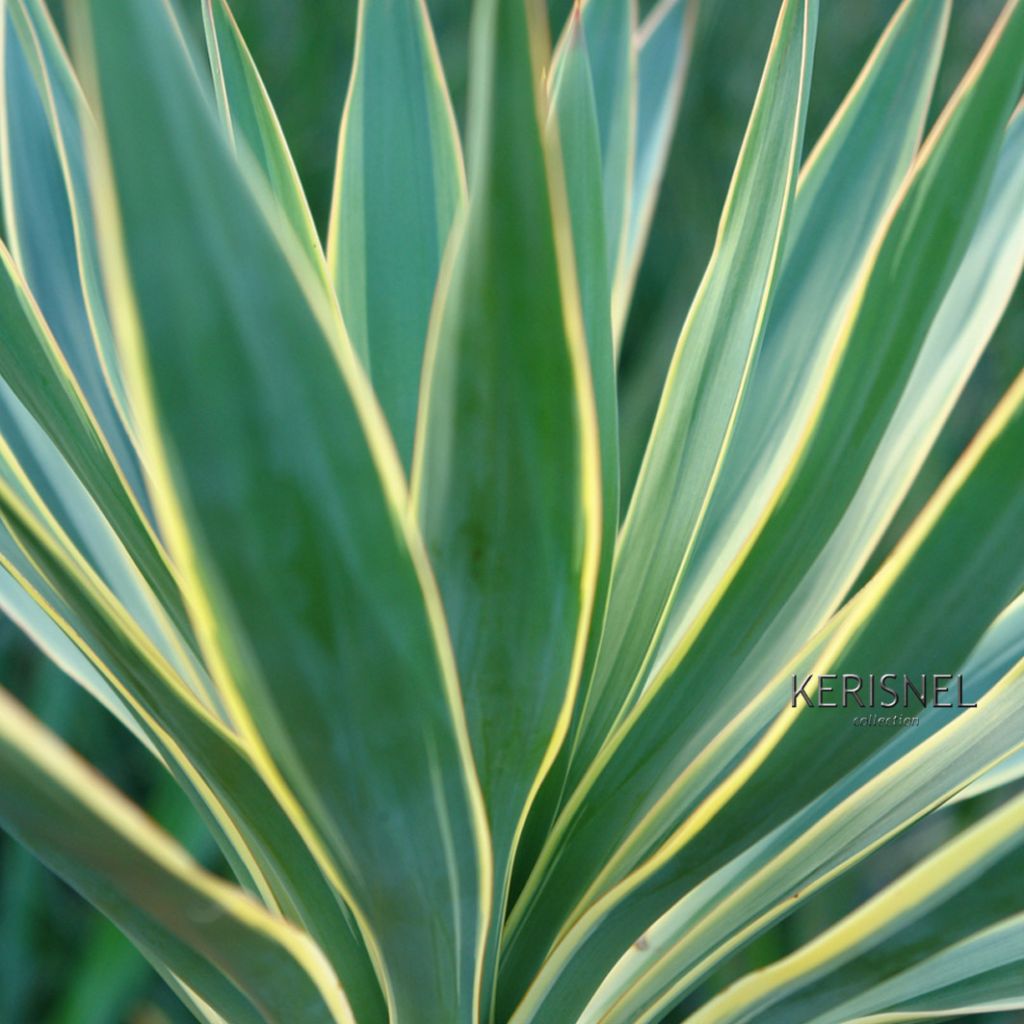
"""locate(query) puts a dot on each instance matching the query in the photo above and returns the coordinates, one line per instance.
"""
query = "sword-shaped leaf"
(574, 113)
(845, 188)
(250, 120)
(49, 220)
(609, 27)
(779, 835)
(663, 43)
(506, 478)
(245, 963)
(58, 373)
(705, 381)
(647, 763)
(919, 935)
(399, 183)
(284, 503)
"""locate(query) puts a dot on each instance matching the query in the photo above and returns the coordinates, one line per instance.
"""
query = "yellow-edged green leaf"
(966, 319)
(662, 44)
(399, 183)
(250, 823)
(247, 964)
(250, 120)
(284, 503)
(705, 382)
(679, 722)
(43, 477)
(574, 112)
(983, 973)
(49, 220)
(1000, 648)
(844, 191)
(59, 381)
(507, 475)
(24, 611)
(920, 934)
(609, 27)
(1009, 770)
(780, 834)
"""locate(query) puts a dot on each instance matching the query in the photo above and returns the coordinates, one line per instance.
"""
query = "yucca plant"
(336, 529)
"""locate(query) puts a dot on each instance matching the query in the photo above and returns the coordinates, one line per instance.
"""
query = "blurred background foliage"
(60, 963)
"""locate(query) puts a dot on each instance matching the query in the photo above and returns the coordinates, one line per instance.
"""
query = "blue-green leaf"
(399, 182)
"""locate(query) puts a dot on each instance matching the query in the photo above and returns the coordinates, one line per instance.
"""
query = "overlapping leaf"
(844, 191)
(912, 939)
(780, 834)
(663, 44)
(250, 119)
(254, 832)
(284, 504)
(707, 377)
(48, 219)
(399, 182)
(507, 475)
(243, 962)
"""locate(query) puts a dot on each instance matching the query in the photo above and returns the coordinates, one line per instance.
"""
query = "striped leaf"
(243, 962)
(284, 504)
(251, 122)
(398, 185)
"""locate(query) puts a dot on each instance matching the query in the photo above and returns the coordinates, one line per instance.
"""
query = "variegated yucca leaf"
(330, 517)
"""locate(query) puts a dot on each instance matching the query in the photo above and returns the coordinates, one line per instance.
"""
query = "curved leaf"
(251, 824)
(247, 964)
(845, 188)
(705, 381)
(644, 771)
(574, 112)
(849, 796)
(49, 220)
(947, 900)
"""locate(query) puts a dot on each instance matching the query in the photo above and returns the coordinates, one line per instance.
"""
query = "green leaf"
(966, 319)
(845, 189)
(44, 479)
(23, 892)
(780, 835)
(399, 183)
(705, 382)
(609, 27)
(49, 219)
(506, 476)
(60, 380)
(284, 504)
(109, 976)
(34, 368)
(663, 45)
(246, 963)
(254, 824)
(920, 934)
(21, 607)
(646, 772)
(574, 115)
(24, 593)
(999, 650)
(675, 724)
(250, 119)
